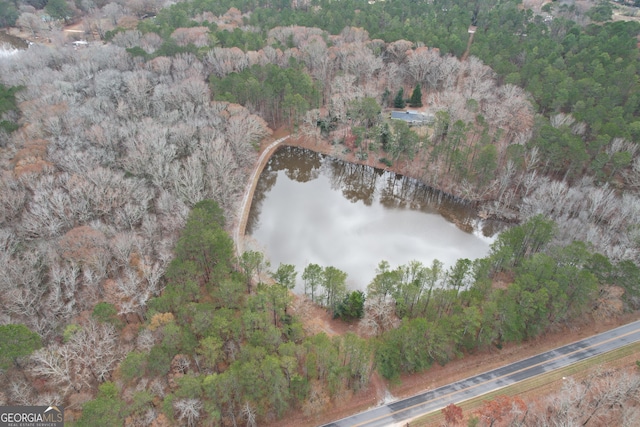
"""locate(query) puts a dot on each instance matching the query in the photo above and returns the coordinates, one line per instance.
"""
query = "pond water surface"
(310, 208)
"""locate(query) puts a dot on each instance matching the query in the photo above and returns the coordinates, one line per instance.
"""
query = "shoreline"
(247, 197)
(270, 145)
(323, 146)
(407, 168)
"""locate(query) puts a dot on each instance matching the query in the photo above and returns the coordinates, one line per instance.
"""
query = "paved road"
(433, 400)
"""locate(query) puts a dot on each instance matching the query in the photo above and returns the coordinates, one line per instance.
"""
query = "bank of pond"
(312, 208)
(234, 349)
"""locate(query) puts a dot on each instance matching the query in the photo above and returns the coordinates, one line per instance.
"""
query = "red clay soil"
(317, 319)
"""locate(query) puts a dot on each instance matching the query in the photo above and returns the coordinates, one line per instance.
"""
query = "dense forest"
(123, 162)
(563, 147)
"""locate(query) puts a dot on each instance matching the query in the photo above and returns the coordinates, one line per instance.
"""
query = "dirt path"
(238, 232)
(465, 55)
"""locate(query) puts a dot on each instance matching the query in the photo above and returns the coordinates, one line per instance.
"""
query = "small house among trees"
(413, 117)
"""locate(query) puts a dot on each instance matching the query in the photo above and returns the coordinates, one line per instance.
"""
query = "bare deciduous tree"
(21, 392)
(222, 61)
(30, 22)
(127, 39)
(198, 36)
(379, 316)
(423, 66)
(399, 50)
(189, 179)
(150, 154)
(95, 350)
(145, 340)
(249, 414)
(54, 362)
(243, 131)
(604, 397)
(188, 410)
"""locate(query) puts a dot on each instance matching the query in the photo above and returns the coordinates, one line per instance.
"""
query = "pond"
(311, 208)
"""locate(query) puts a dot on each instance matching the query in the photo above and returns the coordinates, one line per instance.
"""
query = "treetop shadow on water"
(312, 208)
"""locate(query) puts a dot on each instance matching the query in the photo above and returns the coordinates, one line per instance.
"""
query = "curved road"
(238, 231)
(433, 400)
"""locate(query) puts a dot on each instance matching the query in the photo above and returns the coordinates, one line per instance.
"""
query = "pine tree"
(398, 101)
(416, 97)
(16, 342)
(58, 9)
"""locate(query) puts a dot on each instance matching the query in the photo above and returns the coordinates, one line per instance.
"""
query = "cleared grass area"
(542, 384)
